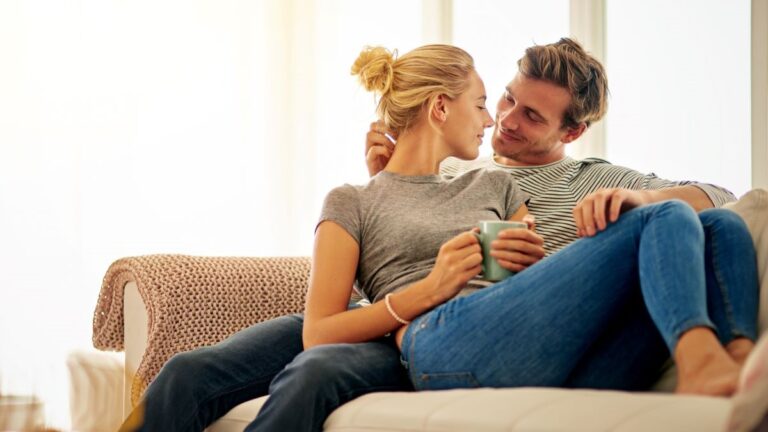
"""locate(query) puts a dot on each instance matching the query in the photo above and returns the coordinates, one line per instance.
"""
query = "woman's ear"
(440, 108)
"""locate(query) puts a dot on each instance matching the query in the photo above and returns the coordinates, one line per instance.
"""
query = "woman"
(605, 312)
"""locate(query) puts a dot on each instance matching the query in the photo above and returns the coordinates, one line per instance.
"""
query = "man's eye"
(534, 117)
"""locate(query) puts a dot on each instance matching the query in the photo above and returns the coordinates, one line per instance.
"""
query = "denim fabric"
(323, 378)
(577, 318)
(729, 254)
(195, 388)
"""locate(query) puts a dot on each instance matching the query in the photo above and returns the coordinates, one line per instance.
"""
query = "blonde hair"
(408, 83)
(566, 64)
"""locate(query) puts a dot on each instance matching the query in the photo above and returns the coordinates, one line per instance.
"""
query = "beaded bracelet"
(392, 311)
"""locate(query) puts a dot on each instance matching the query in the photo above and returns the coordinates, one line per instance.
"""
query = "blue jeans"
(195, 388)
(605, 312)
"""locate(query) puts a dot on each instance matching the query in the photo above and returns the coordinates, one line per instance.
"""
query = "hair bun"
(373, 68)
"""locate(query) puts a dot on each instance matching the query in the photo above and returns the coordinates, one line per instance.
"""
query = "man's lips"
(509, 136)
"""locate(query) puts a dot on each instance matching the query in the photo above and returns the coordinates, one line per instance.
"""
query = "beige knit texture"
(195, 301)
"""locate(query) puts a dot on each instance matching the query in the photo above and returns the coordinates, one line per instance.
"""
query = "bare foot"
(739, 350)
(704, 366)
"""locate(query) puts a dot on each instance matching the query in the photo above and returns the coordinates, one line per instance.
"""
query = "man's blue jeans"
(576, 319)
(197, 387)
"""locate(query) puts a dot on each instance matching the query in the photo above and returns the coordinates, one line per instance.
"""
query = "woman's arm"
(334, 265)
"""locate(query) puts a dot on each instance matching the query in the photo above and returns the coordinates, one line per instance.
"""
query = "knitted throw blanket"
(195, 301)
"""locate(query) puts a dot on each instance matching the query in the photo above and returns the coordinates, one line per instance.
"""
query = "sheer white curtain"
(196, 127)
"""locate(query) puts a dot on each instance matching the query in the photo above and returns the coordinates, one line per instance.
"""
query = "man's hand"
(598, 209)
(517, 248)
(378, 148)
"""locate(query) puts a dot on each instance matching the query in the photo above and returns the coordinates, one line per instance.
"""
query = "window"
(679, 74)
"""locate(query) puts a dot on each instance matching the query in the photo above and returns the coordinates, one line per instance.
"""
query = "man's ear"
(440, 108)
(573, 133)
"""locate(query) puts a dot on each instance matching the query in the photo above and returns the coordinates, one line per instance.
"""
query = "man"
(559, 91)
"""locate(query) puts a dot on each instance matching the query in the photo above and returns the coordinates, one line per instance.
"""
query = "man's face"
(529, 127)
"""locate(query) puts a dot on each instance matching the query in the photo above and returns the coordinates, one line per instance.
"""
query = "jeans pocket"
(446, 381)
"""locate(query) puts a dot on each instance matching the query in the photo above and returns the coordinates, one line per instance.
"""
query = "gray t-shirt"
(400, 222)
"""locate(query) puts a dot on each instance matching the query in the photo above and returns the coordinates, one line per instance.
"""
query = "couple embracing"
(622, 272)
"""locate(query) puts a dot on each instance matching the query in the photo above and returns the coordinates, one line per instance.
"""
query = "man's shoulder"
(480, 174)
(593, 161)
(594, 164)
(452, 167)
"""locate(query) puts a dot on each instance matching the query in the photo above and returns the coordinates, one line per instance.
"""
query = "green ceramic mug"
(489, 230)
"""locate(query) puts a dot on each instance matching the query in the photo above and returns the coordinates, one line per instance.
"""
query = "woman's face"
(466, 119)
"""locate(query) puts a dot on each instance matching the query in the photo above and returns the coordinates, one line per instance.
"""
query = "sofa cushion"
(519, 409)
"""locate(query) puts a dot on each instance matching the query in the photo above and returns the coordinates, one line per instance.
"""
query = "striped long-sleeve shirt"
(557, 187)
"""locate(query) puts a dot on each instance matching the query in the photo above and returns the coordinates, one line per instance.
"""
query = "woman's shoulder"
(343, 194)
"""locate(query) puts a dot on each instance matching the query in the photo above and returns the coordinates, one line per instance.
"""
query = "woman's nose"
(488, 121)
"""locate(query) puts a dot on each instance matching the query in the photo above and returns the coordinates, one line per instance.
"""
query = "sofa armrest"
(136, 320)
(192, 302)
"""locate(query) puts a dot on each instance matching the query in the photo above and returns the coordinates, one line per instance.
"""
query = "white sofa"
(520, 409)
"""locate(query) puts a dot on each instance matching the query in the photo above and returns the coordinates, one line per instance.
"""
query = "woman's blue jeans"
(604, 312)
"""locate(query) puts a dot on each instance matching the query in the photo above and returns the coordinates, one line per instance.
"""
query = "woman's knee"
(677, 206)
(721, 219)
(677, 211)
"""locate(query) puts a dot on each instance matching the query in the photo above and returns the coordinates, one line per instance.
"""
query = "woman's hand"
(604, 206)
(459, 260)
(516, 249)
(378, 148)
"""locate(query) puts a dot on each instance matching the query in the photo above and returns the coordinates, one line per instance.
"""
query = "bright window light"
(679, 74)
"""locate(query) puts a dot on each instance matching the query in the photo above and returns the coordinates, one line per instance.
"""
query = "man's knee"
(183, 365)
(323, 362)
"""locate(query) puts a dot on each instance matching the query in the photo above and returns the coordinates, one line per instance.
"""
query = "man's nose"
(508, 119)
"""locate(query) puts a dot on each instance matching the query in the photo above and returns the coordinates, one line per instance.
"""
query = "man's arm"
(604, 206)
(378, 148)
(693, 195)
(624, 188)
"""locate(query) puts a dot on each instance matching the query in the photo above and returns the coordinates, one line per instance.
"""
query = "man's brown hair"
(566, 64)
